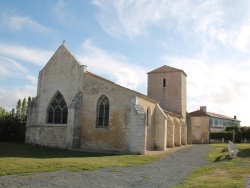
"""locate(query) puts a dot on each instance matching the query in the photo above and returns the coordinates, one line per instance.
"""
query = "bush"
(220, 135)
(245, 132)
(231, 128)
(240, 133)
(238, 136)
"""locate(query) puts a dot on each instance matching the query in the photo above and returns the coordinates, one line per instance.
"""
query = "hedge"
(220, 135)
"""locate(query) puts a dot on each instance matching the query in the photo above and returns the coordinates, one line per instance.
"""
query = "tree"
(13, 123)
(2, 112)
(24, 111)
(28, 104)
(18, 109)
(232, 127)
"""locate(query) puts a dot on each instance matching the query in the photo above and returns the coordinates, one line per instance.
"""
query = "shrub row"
(240, 133)
(220, 135)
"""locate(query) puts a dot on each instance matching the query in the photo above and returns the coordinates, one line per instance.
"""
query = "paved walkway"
(166, 172)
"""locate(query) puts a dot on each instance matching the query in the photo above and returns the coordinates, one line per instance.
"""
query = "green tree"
(232, 127)
(28, 104)
(13, 123)
(12, 114)
(18, 109)
(2, 112)
(24, 110)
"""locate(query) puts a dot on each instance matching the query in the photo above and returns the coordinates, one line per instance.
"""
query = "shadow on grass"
(29, 151)
(244, 153)
(220, 158)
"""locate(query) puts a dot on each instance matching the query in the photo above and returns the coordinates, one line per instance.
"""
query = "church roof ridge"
(63, 45)
(166, 68)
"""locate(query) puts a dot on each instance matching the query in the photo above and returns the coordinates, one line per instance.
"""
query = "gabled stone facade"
(128, 122)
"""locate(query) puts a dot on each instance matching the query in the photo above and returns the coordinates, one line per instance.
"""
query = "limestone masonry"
(77, 109)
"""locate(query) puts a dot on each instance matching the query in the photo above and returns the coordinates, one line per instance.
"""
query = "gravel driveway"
(166, 172)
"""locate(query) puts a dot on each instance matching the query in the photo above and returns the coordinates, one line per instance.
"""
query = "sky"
(123, 40)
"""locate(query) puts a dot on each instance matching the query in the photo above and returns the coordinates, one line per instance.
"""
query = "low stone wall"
(52, 136)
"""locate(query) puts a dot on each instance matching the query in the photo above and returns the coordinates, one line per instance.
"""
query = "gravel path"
(166, 172)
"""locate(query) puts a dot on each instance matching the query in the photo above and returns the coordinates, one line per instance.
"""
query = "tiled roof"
(199, 113)
(220, 116)
(142, 95)
(166, 68)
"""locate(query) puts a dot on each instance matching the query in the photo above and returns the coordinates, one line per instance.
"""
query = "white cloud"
(8, 99)
(204, 22)
(129, 18)
(223, 87)
(32, 55)
(32, 79)
(16, 23)
(62, 15)
(113, 66)
(10, 68)
(237, 37)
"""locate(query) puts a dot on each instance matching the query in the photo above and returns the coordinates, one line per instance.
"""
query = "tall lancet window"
(57, 111)
(102, 116)
(149, 116)
(164, 82)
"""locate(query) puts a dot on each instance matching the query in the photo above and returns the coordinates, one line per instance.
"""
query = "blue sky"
(123, 40)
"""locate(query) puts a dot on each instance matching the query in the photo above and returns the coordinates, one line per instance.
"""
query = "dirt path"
(166, 172)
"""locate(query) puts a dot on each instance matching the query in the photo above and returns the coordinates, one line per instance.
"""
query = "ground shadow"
(244, 153)
(31, 151)
(220, 158)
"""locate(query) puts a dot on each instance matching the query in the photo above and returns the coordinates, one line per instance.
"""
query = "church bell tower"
(168, 86)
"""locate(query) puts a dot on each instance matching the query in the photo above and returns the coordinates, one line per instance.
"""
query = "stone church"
(76, 109)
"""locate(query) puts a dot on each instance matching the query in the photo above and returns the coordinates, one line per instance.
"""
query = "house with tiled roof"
(203, 123)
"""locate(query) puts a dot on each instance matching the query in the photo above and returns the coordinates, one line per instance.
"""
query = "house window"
(57, 112)
(164, 82)
(102, 118)
(149, 116)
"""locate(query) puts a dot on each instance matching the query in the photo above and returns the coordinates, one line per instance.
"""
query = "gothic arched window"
(57, 111)
(102, 112)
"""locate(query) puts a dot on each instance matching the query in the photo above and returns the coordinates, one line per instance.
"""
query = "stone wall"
(170, 132)
(137, 122)
(200, 129)
(150, 120)
(177, 133)
(116, 137)
(61, 74)
(161, 129)
(52, 136)
(183, 97)
(171, 96)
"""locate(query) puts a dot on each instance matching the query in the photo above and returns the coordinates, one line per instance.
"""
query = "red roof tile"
(199, 113)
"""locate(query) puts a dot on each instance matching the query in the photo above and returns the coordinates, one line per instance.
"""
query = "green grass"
(27, 159)
(223, 171)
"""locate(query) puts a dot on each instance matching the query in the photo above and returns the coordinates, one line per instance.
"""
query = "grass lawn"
(24, 159)
(224, 171)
